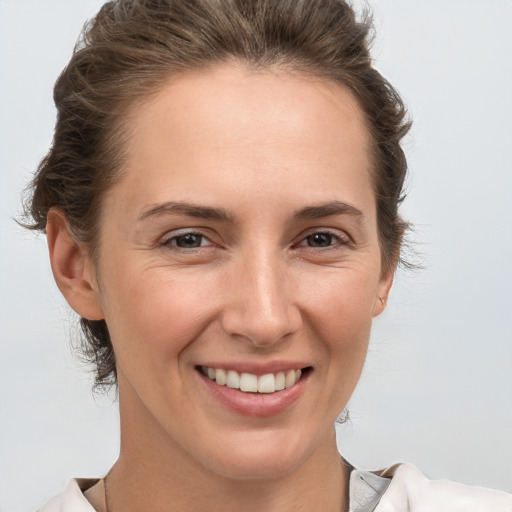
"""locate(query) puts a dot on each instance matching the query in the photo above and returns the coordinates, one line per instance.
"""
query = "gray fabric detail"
(365, 490)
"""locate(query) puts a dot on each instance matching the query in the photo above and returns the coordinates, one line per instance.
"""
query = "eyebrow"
(188, 209)
(327, 209)
(222, 214)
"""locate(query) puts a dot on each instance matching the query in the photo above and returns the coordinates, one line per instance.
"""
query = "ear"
(71, 266)
(383, 289)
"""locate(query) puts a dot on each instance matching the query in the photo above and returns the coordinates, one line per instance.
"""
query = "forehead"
(263, 132)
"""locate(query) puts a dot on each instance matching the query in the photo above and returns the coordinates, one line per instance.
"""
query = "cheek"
(153, 315)
(341, 314)
(341, 301)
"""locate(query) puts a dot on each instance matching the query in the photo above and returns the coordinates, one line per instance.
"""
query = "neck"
(147, 489)
(153, 473)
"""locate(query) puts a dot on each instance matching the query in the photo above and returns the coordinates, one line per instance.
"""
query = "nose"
(261, 308)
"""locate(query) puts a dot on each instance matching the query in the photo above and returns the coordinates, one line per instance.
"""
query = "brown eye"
(188, 241)
(320, 240)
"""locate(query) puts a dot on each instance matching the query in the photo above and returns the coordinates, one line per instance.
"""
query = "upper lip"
(257, 368)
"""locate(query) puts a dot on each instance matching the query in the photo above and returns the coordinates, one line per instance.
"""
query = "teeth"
(267, 383)
(290, 378)
(280, 381)
(233, 380)
(220, 377)
(250, 383)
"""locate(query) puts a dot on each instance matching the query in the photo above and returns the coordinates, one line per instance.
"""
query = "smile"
(251, 383)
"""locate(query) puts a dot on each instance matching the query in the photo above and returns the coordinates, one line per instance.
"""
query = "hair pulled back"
(132, 48)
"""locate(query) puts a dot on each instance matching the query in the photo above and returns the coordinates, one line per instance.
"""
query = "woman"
(221, 205)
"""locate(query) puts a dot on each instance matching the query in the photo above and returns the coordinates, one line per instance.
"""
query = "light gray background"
(437, 388)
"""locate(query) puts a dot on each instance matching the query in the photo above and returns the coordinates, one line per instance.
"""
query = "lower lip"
(255, 404)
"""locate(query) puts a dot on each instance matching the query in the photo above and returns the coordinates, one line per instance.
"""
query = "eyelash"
(172, 241)
(336, 240)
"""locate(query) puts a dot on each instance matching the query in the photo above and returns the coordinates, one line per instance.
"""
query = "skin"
(267, 148)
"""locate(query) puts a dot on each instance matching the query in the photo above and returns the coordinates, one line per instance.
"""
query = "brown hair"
(132, 47)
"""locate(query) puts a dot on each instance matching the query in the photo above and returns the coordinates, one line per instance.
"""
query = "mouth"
(268, 383)
(269, 391)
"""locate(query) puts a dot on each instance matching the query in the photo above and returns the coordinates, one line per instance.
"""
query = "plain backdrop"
(437, 387)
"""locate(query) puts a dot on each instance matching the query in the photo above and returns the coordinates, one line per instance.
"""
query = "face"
(241, 245)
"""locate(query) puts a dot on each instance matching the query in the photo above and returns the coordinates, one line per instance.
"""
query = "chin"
(259, 456)
(255, 468)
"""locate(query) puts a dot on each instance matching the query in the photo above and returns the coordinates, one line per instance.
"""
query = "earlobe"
(72, 269)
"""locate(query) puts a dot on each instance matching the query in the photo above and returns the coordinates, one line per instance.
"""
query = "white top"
(399, 488)
(403, 488)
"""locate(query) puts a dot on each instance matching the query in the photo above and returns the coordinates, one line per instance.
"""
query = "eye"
(324, 240)
(188, 241)
(320, 240)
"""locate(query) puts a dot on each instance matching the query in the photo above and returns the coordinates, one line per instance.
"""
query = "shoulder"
(71, 499)
(408, 490)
